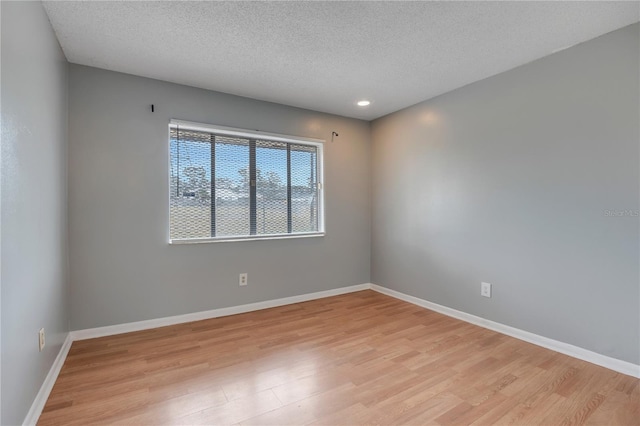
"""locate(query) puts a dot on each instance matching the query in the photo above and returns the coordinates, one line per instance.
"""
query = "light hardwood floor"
(360, 358)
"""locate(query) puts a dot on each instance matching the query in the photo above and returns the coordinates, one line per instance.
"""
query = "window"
(231, 184)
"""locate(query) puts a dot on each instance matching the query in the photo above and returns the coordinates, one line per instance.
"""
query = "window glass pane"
(235, 186)
(232, 186)
(304, 188)
(271, 187)
(190, 185)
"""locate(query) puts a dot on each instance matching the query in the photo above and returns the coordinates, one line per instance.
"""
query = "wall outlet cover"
(41, 341)
(485, 289)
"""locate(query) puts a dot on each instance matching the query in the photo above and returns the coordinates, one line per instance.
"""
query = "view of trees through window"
(229, 186)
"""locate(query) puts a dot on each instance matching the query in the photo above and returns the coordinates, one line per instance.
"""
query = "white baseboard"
(43, 394)
(92, 333)
(614, 364)
(555, 345)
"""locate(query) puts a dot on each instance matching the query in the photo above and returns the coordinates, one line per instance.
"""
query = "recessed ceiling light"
(363, 103)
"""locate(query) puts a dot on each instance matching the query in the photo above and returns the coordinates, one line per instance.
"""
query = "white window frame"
(250, 134)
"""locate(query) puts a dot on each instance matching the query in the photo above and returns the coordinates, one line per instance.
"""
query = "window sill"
(245, 238)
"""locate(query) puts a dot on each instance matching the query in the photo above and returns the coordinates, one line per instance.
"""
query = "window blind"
(237, 186)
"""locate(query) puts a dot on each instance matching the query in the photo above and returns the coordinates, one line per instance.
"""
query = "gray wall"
(122, 268)
(507, 181)
(34, 203)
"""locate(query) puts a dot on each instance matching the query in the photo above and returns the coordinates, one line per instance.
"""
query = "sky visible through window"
(198, 154)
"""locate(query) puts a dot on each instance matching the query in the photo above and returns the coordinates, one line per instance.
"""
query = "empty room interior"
(327, 213)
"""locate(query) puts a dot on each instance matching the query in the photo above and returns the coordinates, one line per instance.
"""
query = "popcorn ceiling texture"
(325, 56)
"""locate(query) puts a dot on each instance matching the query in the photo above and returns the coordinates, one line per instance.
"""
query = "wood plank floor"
(360, 358)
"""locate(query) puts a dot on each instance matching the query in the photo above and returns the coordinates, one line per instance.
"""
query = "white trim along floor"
(545, 342)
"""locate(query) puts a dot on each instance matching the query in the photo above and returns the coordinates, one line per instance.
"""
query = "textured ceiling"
(325, 56)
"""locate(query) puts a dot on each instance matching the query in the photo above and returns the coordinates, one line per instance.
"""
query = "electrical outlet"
(41, 339)
(243, 279)
(485, 289)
